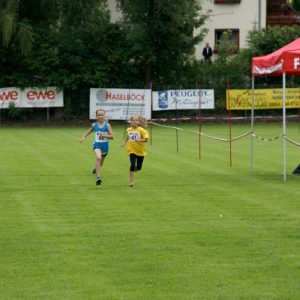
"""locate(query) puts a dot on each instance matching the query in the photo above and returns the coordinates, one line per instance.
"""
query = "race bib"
(134, 136)
(99, 138)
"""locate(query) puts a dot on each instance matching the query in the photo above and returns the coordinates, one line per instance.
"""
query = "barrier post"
(151, 107)
(199, 122)
(176, 112)
(252, 126)
(229, 124)
(284, 125)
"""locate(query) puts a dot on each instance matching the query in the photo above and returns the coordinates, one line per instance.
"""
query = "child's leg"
(102, 160)
(131, 178)
(98, 153)
(132, 169)
(133, 159)
(101, 164)
(139, 162)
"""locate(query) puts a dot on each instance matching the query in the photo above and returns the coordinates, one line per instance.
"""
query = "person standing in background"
(207, 52)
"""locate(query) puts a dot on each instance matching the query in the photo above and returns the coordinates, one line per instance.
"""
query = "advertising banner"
(263, 99)
(120, 104)
(183, 99)
(31, 97)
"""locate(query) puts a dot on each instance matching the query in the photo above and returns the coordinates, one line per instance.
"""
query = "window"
(227, 1)
(231, 36)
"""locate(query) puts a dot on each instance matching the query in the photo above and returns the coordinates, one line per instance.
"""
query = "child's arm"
(86, 134)
(109, 134)
(144, 137)
(144, 140)
(125, 141)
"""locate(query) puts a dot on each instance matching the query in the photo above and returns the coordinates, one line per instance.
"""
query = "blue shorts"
(103, 147)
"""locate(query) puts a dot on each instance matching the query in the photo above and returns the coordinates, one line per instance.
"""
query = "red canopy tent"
(282, 62)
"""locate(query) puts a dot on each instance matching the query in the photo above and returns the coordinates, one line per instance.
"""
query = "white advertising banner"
(120, 104)
(183, 99)
(31, 97)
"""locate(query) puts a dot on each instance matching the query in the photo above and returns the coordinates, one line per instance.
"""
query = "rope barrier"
(220, 118)
(204, 134)
(229, 140)
(266, 139)
(291, 141)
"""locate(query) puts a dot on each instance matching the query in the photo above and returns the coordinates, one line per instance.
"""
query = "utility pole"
(259, 14)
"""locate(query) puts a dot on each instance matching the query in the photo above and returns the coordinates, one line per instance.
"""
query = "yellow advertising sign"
(263, 99)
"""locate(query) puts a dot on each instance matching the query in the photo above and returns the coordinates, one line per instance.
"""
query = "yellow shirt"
(133, 146)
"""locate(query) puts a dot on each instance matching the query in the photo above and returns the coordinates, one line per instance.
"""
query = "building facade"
(236, 16)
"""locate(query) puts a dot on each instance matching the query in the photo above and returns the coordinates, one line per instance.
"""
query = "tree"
(271, 38)
(296, 5)
(12, 26)
(19, 19)
(161, 37)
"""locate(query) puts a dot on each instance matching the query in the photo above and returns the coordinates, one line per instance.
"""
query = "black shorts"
(136, 162)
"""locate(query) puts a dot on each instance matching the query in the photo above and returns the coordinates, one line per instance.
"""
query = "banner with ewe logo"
(120, 104)
(31, 97)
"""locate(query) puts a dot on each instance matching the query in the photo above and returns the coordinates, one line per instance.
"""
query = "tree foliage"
(272, 38)
(160, 36)
(296, 5)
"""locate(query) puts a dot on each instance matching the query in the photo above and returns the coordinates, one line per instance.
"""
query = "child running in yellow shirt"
(135, 140)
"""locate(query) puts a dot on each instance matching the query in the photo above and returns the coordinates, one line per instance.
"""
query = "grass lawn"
(190, 228)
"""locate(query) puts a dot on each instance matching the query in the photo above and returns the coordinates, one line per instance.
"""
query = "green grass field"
(190, 228)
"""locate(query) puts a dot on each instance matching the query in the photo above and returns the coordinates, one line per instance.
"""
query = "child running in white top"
(102, 133)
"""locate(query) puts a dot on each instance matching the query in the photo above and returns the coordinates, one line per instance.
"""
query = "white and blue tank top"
(100, 141)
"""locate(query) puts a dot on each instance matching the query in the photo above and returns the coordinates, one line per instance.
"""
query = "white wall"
(243, 16)
(115, 13)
